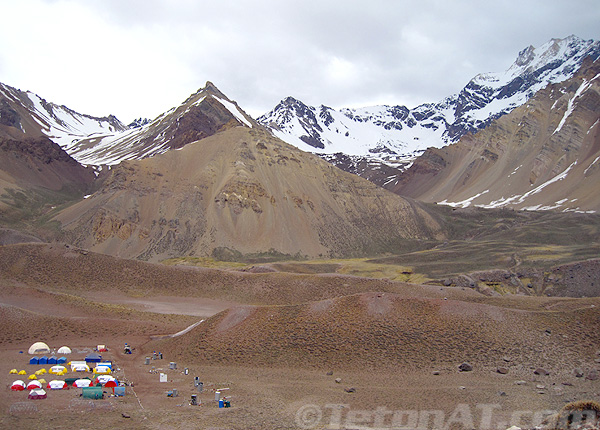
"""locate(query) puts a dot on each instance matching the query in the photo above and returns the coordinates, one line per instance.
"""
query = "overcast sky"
(139, 58)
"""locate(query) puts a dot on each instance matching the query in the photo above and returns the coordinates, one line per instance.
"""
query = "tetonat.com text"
(480, 416)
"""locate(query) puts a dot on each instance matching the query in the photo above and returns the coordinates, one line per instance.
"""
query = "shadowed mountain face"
(242, 191)
(35, 175)
(543, 155)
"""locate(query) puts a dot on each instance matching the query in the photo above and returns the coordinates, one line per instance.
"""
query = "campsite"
(263, 353)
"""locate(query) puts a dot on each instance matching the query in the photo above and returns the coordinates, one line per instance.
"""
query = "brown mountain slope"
(383, 330)
(36, 174)
(543, 155)
(241, 191)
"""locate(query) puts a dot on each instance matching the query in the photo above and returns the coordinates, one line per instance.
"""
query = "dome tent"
(18, 385)
(79, 367)
(37, 394)
(57, 385)
(83, 383)
(103, 379)
(58, 370)
(64, 350)
(102, 370)
(34, 385)
(39, 348)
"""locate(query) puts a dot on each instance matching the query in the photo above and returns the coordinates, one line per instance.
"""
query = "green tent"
(92, 392)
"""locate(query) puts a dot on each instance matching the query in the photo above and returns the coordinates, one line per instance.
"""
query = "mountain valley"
(314, 266)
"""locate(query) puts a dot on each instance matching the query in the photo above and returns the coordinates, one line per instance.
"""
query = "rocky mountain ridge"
(25, 114)
(106, 141)
(543, 155)
(379, 142)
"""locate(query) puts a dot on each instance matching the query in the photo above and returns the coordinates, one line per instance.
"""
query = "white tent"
(102, 370)
(58, 370)
(78, 367)
(103, 379)
(34, 385)
(39, 348)
(57, 385)
(64, 350)
(82, 383)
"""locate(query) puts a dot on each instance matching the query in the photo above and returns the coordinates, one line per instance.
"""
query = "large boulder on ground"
(465, 367)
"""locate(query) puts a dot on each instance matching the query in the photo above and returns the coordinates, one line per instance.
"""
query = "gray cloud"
(139, 58)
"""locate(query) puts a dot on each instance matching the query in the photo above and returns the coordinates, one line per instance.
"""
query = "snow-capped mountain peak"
(396, 134)
(98, 141)
(32, 115)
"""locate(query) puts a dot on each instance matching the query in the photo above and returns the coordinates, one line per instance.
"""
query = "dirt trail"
(179, 333)
(195, 306)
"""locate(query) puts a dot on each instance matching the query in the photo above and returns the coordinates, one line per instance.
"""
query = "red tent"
(33, 385)
(110, 384)
(18, 385)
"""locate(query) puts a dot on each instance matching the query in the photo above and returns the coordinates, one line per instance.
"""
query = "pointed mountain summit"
(202, 114)
(241, 191)
(106, 141)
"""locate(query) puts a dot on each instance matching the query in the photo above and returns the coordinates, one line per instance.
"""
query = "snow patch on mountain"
(518, 198)
(394, 133)
(147, 140)
(65, 126)
(234, 111)
(571, 105)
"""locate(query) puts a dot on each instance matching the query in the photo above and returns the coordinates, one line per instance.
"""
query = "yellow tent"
(42, 381)
(32, 376)
(58, 370)
(22, 372)
(14, 371)
(102, 370)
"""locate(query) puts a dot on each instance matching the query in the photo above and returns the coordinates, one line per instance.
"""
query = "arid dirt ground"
(394, 348)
